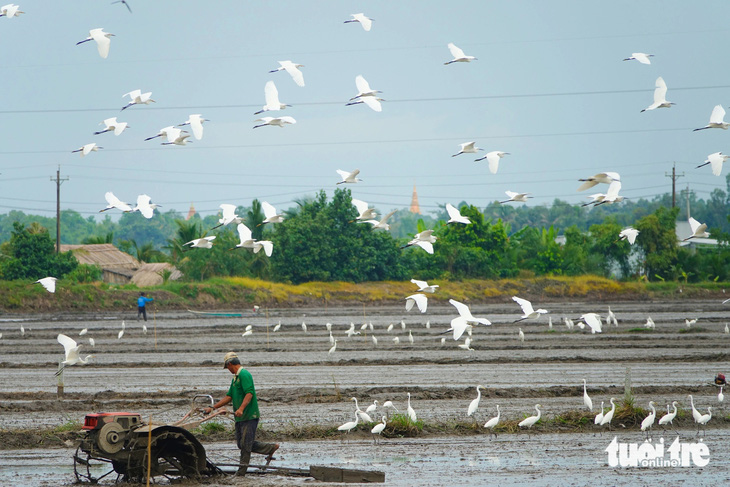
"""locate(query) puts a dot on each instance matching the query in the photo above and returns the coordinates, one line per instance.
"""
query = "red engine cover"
(97, 420)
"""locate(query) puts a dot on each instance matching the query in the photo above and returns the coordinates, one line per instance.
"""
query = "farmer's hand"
(239, 413)
(207, 410)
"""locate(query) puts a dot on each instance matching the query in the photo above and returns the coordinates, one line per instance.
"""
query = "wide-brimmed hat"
(228, 357)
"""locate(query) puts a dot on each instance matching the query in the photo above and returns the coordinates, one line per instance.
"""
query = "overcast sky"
(549, 86)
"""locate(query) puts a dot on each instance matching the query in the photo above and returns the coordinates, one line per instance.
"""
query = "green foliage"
(31, 254)
(85, 273)
(658, 241)
(323, 242)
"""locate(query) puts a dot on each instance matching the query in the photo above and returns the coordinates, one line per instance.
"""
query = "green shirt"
(242, 384)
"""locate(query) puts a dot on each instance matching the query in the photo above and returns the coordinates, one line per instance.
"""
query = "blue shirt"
(143, 300)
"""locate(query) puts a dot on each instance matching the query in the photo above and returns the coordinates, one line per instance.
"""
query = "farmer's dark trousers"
(246, 441)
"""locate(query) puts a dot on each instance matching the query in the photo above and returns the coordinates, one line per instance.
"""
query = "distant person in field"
(141, 305)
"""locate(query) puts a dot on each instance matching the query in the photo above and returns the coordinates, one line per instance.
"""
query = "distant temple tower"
(191, 212)
(415, 208)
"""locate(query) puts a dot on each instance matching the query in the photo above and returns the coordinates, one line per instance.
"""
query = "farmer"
(246, 409)
(141, 302)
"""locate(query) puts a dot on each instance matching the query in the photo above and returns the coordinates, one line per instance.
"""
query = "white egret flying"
(365, 22)
(87, 149)
(271, 95)
(455, 215)
(424, 239)
(71, 350)
(465, 318)
(716, 120)
(419, 299)
(270, 214)
(247, 241)
(138, 98)
(459, 56)
(698, 229)
(111, 124)
(423, 286)
(527, 312)
(349, 177)
(102, 40)
(467, 148)
(201, 243)
(493, 158)
(643, 58)
(630, 234)
(10, 10)
(228, 215)
(275, 121)
(196, 124)
(49, 283)
(145, 206)
(114, 202)
(372, 101)
(292, 69)
(715, 160)
(600, 178)
(365, 213)
(169, 133)
(382, 223)
(660, 96)
(519, 197)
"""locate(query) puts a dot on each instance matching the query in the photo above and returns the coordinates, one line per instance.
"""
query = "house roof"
(105, 256)
(151, 274)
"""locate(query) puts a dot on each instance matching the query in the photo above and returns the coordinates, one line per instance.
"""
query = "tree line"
(320, 240)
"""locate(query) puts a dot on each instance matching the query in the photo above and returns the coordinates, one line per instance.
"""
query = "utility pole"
(58, 180)
(688, 215)
(674, 177)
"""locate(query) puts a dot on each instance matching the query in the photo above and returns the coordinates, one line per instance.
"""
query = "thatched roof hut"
(151, 274)
(119, 267)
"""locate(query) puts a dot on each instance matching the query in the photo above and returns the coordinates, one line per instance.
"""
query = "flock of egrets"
(604, 418)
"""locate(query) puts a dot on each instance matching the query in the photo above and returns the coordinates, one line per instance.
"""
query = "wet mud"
(301, 385)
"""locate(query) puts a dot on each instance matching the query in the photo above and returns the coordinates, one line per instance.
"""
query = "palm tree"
(100, 239)
(186, 231)
(254, 217)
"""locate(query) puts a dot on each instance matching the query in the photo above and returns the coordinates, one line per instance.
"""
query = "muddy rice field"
(301, 385)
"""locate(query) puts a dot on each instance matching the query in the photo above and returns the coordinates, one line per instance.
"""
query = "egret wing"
(453, 212)
(294, 72)
(244, 233)
(660, 93)
(68, 343)
(716, 161)
(362, 84)
(427, 246)
(493, 160)
(271, 94)
(269, 211)
(524, 304)
(455, 51)
(718, 114)
(372, 102)
(361, 206)
(420, 284)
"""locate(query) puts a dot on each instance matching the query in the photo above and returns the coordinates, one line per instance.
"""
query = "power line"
(340, 102)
